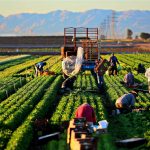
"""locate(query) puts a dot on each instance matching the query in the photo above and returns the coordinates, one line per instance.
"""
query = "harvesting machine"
(87, 38)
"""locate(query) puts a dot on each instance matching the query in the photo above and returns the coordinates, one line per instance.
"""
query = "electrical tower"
(108, 32)
(113, 24)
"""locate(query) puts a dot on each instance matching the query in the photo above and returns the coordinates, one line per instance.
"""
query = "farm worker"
(87, 111)
(129, 78)
(113, 64)
(39, 67)
(147, 74)
(126, 102)
(68, 83)
(98, 72)
(141, 68)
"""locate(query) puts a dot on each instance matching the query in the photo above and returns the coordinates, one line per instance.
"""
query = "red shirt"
(87, 111)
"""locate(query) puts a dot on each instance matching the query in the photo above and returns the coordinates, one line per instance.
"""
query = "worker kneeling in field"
(39, 68)
(87, 111)
(129, 78)
(126, 102)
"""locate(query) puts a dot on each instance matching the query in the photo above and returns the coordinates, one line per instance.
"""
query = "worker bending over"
(87, 111)
(39, 68)
(126, 102)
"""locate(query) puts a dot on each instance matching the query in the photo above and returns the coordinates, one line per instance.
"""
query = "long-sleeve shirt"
(126, 99)
(87, 111)
(113, 60)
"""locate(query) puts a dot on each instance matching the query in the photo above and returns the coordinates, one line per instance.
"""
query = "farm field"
(25, 98)
(57, 50)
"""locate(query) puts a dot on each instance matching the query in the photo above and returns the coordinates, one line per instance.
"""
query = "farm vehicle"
(80, 51)
(87, 38)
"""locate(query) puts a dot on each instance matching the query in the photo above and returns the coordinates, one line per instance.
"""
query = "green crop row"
(6, 59)
(13, 116)
(18, 68)
(130, 125)
(22, 137)
(115, 89)
(68, 105)
(140, 57)
(85, 81)
(133, 62)
(16, 118)
(52, 61)
(5, 134)
(9, 85)
(21, 95)
(14, 62)
(57, 68)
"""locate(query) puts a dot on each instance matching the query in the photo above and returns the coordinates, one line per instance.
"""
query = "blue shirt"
(113, 60)
(40, 65)
(129, 79)
(126, 99)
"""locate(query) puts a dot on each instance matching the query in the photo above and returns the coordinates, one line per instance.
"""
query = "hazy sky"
(8, 7)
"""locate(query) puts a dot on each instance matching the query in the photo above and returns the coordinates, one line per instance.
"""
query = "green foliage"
(20, 67)
(145, 36)
(9, 85)
(22, 137)
(105, 142)
(13, 62)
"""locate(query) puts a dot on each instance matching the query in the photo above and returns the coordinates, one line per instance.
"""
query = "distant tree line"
(143, 35)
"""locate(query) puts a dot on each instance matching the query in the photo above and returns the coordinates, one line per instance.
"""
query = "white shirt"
(147, 73)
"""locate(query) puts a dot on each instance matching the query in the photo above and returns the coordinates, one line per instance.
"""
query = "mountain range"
(53, 23)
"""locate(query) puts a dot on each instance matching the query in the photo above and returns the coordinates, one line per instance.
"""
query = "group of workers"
(111, 67)
(124, 104)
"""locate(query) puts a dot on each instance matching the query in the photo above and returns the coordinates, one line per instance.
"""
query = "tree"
(145, 36)
(129, 34)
